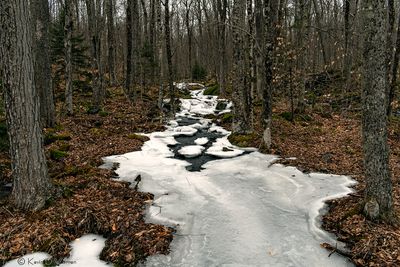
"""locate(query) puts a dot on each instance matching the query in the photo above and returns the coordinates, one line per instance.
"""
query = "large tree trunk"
(129, 47)
(378, 192)
(222, 8)
(41, 20)
(303, 9)
(394, 69)
(169, 56)
(111, 41)
(153, 39)
(95, 25)
(241, 120)
(270, 10)
(188, 4)
(259, 29)
(68, 28)
(318, 21)
(347, 43)
(31, 182)
(160, 53)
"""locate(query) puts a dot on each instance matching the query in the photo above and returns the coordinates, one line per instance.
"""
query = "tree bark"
(318, 19)
(241, 119)
(347, 38)
(378, 192)
(160, 54)
(94, 13)
(129, 47)
(394, 69)
(222, 7)
(31, 181)
(270, 10)
(111, 41)
(68, 28)
(169, 56)
(41, 20)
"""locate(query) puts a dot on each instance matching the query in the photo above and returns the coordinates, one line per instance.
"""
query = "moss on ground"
(212, 90)
(242, 140)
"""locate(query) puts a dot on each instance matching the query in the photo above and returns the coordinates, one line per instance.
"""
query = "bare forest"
(199, 132)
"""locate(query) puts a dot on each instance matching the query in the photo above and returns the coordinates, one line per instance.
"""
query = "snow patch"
(201, 141)
(191, 151)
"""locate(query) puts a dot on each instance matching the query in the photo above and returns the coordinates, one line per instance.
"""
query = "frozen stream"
(230, 206)
(239, 210)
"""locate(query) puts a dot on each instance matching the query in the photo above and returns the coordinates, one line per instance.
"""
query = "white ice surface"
(217, 149)
(191, 151)
(240, 211)
(201, 141)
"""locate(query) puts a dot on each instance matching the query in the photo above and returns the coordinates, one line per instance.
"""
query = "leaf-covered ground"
(86, 199)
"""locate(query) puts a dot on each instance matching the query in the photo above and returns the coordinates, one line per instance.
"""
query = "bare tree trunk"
(160, 54)
(259, 28)
(167, 27)
(241, 119)
(318, 20)
(251, 65)
(31, 184)
(68, 28)
(302, 34)
(188, 4)
(41, 19)
(378, 192)
(394, 69)
(222, 7)
(129, 47)
(270, 10)
(145, 21)
(111, 41)
(153, 39)
(94, 12)
(347, 38)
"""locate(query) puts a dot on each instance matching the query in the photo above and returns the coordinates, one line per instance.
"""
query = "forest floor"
(85, 198)
(330, 142)
(321, 142)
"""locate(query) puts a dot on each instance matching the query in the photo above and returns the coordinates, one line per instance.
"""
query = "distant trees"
(31, 181)
(378, 191)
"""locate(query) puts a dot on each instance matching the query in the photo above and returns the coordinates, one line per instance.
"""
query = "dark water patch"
(185, 121)
(196, 162)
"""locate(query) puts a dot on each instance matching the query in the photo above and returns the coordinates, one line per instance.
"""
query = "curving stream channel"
(230, 206)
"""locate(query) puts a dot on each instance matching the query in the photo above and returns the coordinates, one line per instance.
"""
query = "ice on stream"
(201, 141)
(242, 210)
(191, 151)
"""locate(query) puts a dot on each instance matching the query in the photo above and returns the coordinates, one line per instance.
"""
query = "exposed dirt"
(85, 198)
